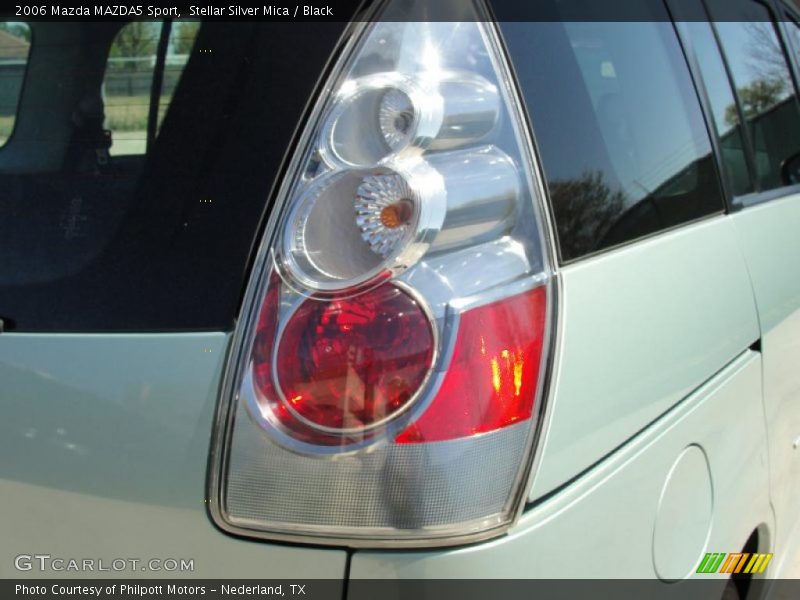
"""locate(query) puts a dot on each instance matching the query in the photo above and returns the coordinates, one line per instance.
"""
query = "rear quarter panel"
(104, 445)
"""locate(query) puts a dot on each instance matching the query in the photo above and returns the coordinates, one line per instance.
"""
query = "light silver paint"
(104, 446)
(641, 327)
(602, 525)
(769, 234)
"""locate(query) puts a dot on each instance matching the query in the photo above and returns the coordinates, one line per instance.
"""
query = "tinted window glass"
(764, 85)
(723, 106)
(180, 46)
(619, 128)
(130, 77)
(15, 44)
(159, 241)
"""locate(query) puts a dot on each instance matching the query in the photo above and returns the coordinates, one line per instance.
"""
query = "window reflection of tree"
(756, 98)
(766, 95)
(769, 81)
(586, 207)
(592, 215)
(765, 54)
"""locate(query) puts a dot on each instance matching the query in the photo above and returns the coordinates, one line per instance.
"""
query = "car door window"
(764, 87)
(625, 150)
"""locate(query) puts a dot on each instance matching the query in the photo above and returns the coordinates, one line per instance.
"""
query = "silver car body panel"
(641, 327)
(105, 441)
(602, 525)
(769, 235)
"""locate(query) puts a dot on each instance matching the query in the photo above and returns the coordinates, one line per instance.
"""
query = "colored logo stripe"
(710, 563)
(758, 564)
(715, 562)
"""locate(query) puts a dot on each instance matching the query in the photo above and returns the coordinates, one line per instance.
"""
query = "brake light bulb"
(349, 364)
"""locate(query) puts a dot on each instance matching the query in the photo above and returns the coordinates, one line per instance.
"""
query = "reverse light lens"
(396, 117)
(350, 364)
(382, 114)
(378, 115)
(353, 226)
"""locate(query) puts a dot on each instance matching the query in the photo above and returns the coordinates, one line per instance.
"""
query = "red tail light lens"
(349, 364)
(491, 380)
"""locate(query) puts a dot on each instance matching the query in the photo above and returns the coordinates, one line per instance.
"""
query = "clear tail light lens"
(386, 381)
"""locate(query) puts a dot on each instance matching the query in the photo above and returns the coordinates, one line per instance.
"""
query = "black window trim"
(705, 103)
(759, 196)
(747, 137)
(733, 203)
(790, 49)
(158, 82)
(756, 198)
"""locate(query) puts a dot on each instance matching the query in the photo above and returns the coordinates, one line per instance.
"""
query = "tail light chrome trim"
(236, 379)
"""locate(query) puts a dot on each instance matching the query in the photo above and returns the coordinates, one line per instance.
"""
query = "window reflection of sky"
(647, 139)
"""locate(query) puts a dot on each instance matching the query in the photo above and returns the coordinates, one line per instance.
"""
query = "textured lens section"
(393, 491)
(385, 212)
(396, 118)
(349, 364)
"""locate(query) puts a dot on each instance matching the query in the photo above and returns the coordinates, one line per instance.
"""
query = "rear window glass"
(15, 46)
(141, 166)
(625, 150)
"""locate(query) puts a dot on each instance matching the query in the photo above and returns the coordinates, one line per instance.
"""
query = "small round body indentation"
(683, 519)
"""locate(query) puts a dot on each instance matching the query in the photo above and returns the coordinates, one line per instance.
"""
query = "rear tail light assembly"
(386, 378)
